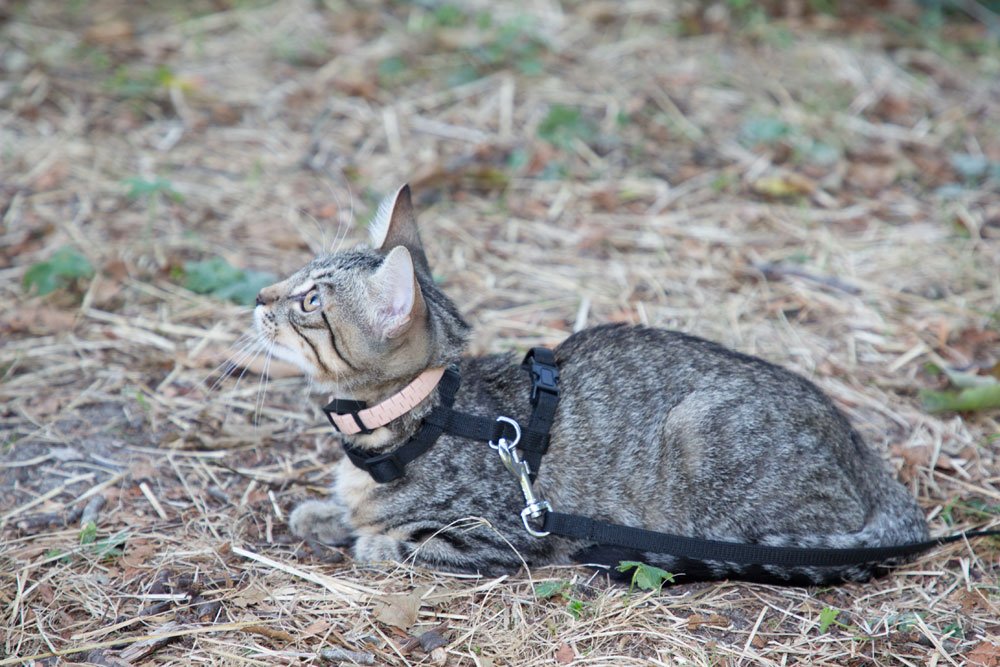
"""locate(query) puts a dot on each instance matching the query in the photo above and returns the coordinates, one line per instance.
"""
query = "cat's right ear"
(394, 293)
(395, 224)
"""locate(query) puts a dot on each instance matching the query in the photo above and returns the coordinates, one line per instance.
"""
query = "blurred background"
(813, 181)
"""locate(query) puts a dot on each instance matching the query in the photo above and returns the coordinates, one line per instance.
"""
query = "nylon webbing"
(388, 467)
(570, 525)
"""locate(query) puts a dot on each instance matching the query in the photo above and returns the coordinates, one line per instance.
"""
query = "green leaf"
(563, 125)
(217, 277)
(965, 400)
(646, 577)
(88, 533)
(764, 130)
(64, 267)
(548, 589)
(827, 617)
(140, 188)
(111, 547)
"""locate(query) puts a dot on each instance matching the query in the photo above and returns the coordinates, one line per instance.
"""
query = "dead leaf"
(110, 32)
(695, 621)
(272, 633)
(399, 611)
(52, 178)
(316, 628)
(138, 552)
(565, 654)
(38, 320)
(872, 177)
(970, 601)
(783, 186)
(250, 596)
(984, 654)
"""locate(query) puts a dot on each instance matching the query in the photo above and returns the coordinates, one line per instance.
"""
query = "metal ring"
(517, 433)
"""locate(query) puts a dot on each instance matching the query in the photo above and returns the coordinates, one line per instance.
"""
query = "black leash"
(508, 436)
(609, 534)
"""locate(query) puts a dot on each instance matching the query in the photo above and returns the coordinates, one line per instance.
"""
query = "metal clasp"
(535, 507)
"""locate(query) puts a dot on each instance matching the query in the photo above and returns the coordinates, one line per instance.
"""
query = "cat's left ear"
(394, 293)
(395, 224)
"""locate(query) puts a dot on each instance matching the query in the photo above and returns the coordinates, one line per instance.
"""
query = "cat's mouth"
(270, 338)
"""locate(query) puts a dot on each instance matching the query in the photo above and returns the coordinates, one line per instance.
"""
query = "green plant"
(147, 188)
(137, 84)
(563, 589)
(108, 548)
(827, 617)
(563, 125)
(646, 577)
(215, 276)
(512, 44)
(64, 267)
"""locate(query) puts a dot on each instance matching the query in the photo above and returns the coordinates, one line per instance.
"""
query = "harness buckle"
(544, 377)
(534, 506)
(385, 467)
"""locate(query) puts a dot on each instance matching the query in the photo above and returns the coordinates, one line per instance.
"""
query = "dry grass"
(279, 125)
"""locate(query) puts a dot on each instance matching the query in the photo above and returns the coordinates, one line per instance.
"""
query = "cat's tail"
(896, 520)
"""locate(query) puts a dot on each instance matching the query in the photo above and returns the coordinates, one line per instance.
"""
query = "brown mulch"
(818, 190)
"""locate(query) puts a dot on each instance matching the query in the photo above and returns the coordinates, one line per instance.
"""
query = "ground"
(817, 188)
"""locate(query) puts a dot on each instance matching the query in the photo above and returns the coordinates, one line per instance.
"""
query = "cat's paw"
(379, 548)
(321, 521)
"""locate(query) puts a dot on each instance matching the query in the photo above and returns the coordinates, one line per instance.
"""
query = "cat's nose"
(265, 296)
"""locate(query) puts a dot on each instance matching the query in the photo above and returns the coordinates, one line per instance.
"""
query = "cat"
(655, 429)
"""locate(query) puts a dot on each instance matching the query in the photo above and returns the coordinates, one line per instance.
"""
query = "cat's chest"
(353, 486)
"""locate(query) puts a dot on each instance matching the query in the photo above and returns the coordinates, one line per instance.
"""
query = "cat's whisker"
(232, 362)
(262, 385)
(321, 229)
(343, 226)
(342, 230)
(246, 367)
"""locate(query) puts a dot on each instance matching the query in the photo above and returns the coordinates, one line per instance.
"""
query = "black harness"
(540, 364)
(507, 436)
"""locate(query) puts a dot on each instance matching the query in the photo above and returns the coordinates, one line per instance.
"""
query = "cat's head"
(366, 317)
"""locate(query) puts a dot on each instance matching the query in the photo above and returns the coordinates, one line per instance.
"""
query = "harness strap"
(540, 362)
(388, 467)
(571, 525)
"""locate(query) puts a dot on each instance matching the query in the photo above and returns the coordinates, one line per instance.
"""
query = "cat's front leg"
(323, 521)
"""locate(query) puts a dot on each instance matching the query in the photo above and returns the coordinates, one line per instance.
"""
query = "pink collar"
(395, 406)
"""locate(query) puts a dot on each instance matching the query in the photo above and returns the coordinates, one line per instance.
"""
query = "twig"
(350, 592)
(337, 654)
(146, 491)
(183, 632)
(775, 271)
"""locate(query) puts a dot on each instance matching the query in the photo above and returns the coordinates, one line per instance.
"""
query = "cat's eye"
(310, 301)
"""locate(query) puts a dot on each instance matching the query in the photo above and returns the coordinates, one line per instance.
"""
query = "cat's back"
(641, 359)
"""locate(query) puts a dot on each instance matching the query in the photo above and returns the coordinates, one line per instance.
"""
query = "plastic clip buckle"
(543, 378)
(385, 468)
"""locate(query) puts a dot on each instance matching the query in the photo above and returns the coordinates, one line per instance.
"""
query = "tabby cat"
(655, 428)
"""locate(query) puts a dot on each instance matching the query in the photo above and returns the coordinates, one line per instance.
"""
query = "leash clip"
(534, 506)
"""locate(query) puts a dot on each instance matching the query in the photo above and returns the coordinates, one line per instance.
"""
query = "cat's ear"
(395, 224)
(394, 293)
